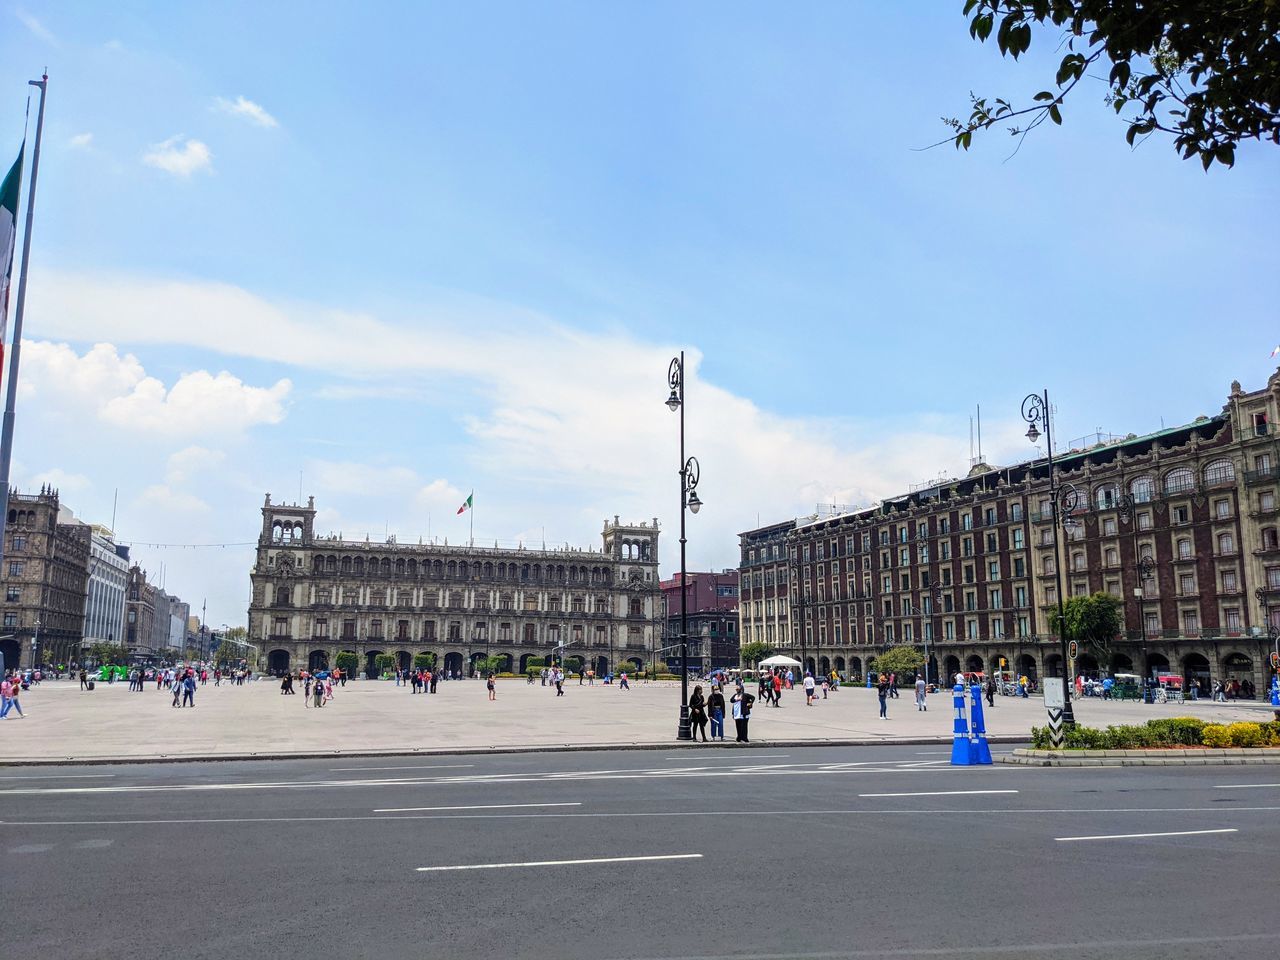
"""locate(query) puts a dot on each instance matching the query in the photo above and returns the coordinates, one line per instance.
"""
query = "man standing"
(189, 689)
(742, 702)
(921, 692)
(808, 689)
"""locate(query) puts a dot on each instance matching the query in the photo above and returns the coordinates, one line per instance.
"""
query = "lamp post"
(935, 593)
(1063, 502)
(1146, 571)
(689, 475)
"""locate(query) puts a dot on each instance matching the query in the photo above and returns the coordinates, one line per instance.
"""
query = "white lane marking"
(33, 848)
(937, 793)
(96, 844)
(483, 806)
(1243, 786)
(1135, 836)
(877, 812)
(438, 766)
(62, 776)
(933, 753)
(754, 756)
(561, 863)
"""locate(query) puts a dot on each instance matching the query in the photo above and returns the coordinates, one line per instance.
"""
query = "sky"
(387, 254)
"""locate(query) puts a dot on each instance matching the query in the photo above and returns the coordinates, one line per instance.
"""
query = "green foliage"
(1205, 72)
(109, 653)
(900, 659)
(228, 652)
(488, 665)
(753, 652)
(347, 662)
(385, 662)
(1165, 732)
(1094, 620)
(424, 661)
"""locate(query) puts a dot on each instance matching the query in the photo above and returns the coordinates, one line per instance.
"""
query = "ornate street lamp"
(1064, 501)
(689, 474)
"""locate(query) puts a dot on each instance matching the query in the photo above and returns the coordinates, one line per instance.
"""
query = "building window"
(1152, 624)
(1228, 581)
(11, 619)
(1019, 567)
(1142, 490)
(1226, 544)
(1219, 473)
(1259, 424)
(1266, 500)
(1269, 540)
(1184, 549)
(1015, 511)
(11, 594)
(1190, 622)
(1105, 496)
(1112, 557)
(1187, 584)
(1049, 566)
(1232, 617)
(19, 542)
(15, 568)
(1017, 539)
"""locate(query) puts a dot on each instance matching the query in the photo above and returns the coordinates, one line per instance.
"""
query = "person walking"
(622, 681)
(84, 679)
(715, 706)
(491, 683)
(6, 694)
(175, 687)
(921, 692)
(777, 689)
(990, 689)
(741, 702)
(11, 701)
(893, 685)
(808, 689)
(882, 689)
(766, 687)
(318, 692)
(189, 690)
(826, 685)
(697, 714)
(559, 679)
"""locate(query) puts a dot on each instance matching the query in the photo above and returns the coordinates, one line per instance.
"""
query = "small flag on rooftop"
(466, 504)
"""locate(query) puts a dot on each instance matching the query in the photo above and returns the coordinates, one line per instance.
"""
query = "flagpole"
(472, 513)
(11, 393)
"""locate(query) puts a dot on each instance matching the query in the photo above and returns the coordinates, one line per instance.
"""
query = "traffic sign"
(1073, 648)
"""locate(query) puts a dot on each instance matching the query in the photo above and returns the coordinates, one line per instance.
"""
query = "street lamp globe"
(1032, 433)
(673, 401)
(694, 503)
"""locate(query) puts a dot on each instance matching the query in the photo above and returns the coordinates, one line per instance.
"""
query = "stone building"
(45, 580)
(967, 568)
(315, 596)
(140, 614)
(711, 605)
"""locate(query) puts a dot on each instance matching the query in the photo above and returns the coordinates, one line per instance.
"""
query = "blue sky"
(445, 247)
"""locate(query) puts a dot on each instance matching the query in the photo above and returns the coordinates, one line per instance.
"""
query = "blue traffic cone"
(1275, 691)
(979, 749)
(961, 754)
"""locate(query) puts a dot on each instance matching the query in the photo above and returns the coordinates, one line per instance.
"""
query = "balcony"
(1253, 478)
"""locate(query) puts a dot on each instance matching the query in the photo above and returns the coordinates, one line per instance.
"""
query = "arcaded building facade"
(315, 596)
(967, 568)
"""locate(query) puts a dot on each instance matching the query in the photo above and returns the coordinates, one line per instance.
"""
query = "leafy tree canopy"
(1095, 620)
(347, 661)
(899, 659)
(1206, 72)
(754, 652)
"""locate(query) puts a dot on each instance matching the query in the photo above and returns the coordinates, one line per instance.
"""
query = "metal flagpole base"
(685, 730)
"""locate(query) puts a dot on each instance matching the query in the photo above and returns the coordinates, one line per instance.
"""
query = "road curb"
(483, 751)
(1191, 757)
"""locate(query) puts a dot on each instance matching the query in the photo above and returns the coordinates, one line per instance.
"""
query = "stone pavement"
(65, 723)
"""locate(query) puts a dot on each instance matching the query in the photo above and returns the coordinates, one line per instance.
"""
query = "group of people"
(712, 707)
(11, 688)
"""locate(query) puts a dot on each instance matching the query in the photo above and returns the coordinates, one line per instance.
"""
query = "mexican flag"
(9, 190)
(466, 504)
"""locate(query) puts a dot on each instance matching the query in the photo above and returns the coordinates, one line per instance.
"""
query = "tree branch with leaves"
(1206, 72)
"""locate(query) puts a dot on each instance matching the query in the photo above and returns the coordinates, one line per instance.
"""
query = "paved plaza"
(367, 716)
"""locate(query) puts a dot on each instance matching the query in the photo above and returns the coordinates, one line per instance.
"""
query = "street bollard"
(961, 753)
(979, 749)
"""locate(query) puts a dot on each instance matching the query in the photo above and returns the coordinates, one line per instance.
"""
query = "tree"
(347, 662)
(385, 663)
(901, 659)
(488, 665)
(229, 652)
(1206, 72)
(104, 653)
(754, 652)
(1094, 620)
(424, 661)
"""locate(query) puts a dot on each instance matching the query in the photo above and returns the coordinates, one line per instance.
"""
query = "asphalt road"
(798, 852)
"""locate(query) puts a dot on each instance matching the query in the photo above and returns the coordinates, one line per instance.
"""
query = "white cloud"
(188, 462)
(36, 27)
(61, 480)
(565, 427)
(242, 107)
(81, 140)
(179, 155)
(117, 391)
(169, 502)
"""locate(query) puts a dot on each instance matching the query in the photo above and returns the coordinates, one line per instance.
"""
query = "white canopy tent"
(778, 660)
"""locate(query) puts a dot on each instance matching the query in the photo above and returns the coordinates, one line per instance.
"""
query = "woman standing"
(715, 705)
(698, 714)
(882, 689)
(491, 684)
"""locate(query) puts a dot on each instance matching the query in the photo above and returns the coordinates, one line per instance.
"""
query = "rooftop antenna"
(114, 497)
(980, 457)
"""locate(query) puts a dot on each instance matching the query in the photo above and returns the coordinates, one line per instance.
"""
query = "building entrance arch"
(10, 655)
(453, 664)
(278, 663)
(318, 660)
(371, 669)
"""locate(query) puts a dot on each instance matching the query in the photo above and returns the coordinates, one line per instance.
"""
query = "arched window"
(330, 564)
(1049, 566)
(360, 565)
(1145, 552)
(1077, 561)
(1219, 473)
(1269, 540)
(282, 596)
(1179, 480)
(1105, 496)
(1142, 490)
(1184, 549)
(346, 564)
(1226, 543)
(400, 568)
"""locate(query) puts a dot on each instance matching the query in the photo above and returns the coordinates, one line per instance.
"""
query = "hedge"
(1165, 732)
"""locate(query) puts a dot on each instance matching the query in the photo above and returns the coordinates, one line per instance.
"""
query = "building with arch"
(968, 567)
(315, 596)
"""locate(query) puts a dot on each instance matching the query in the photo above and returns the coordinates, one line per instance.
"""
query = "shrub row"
(1165, 732)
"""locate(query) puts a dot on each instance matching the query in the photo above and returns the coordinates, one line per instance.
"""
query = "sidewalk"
(66, 724)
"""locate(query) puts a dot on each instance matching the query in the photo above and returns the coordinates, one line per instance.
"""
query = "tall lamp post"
(1063, 501)
(935, 593)
(1146, 572)
(689, 474)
